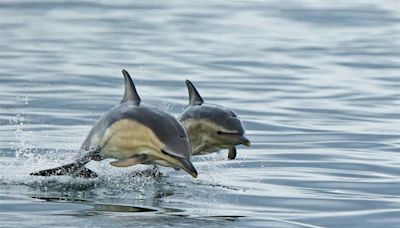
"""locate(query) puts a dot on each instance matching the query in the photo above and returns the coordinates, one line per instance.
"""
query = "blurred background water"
(317, 84)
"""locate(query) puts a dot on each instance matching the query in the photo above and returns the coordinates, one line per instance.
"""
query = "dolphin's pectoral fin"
(232, 153)
(59, 171)
(134, 160)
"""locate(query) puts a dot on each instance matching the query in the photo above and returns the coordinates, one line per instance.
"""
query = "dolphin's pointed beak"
(245, 141)
(187, 165)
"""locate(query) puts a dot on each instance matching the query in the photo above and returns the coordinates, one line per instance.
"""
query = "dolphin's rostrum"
(211, 127)
(132, 133)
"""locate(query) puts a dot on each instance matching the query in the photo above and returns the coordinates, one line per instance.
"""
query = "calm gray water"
(317, 85)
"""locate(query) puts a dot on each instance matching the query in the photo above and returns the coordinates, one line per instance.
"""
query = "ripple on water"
(316, 84)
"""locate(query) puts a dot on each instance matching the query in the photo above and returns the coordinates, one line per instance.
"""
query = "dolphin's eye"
(181, 136)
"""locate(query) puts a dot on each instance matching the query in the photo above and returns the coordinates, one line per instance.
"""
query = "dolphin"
(211, 127)
(132, 133)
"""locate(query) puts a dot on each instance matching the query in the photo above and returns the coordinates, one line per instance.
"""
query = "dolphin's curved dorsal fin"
(130, 90)
(194, 96)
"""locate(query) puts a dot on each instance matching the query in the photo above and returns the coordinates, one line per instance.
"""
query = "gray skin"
(211, 127)
(132, 133)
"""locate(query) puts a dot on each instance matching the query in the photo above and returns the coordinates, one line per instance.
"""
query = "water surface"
(316, 84)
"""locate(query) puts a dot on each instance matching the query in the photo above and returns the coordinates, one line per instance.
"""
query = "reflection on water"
(316, 83)
(121, 208)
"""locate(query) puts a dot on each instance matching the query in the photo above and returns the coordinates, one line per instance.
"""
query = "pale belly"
(201, 140)
(204, 147)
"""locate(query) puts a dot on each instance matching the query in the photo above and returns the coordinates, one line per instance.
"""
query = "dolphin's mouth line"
(228, 133)
(164, 152)
(244, 141)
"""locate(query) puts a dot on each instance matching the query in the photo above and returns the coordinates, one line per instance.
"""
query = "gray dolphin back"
(164, 126)
(130, 94)
(194, 96)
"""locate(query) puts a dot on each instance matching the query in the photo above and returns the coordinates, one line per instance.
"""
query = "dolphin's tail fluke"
(75, 169)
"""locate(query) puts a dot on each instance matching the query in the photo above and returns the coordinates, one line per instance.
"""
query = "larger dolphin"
(132, 133)
(211, 127)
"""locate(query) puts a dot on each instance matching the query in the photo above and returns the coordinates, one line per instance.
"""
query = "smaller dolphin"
(132, 133)
(211, 127)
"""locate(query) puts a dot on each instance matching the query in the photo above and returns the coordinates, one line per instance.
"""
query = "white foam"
(15, 171)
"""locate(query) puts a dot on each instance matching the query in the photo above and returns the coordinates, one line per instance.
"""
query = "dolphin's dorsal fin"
(194, 96)
(130, 94)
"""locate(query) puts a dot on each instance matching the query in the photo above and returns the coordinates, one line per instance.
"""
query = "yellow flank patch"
(195, 127)
(199, 125)
(127, 137)
(203, 135)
